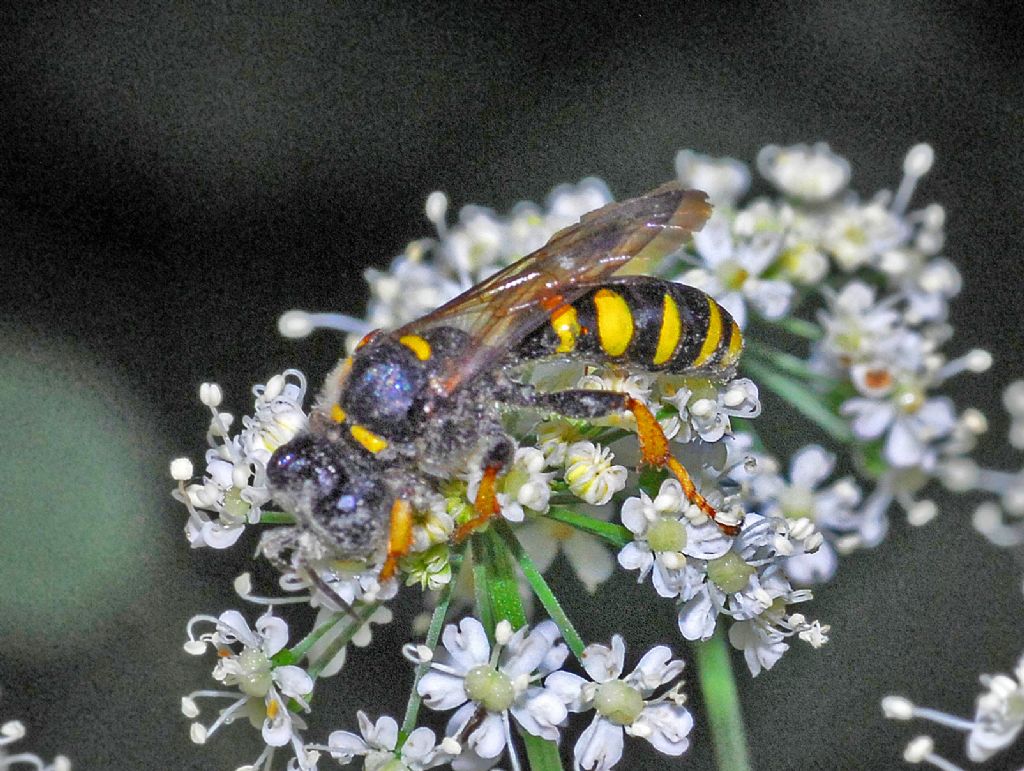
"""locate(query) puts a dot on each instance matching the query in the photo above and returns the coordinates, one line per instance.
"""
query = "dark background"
(175, 176)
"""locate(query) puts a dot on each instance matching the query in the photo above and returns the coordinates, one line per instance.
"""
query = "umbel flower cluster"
(843, 301)
(13, 731)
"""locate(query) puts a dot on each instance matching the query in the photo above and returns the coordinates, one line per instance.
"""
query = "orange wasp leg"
(654, 450)
(485, 504)
(399, 537)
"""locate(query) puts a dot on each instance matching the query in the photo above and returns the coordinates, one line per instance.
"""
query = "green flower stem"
(363, 614)
(481, 586)
(617, 535)
(507, 605)
(297, 651)
(787, 362)
(412, 709)
(543, 591)
(802, 399)
(718, 686)
(800, 327)
(276, 518)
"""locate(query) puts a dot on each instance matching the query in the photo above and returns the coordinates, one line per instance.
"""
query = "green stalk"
(802, 399)
(617, 535)
(363, 614)
(412, 709)
(297, 651)
(481, 587)
(718, 686)
(276, 518)
(787, 363)
(503, 591)
(543, 591)
(800, 327)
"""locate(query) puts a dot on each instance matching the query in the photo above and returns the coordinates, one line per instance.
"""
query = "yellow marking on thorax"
(368, 439)
(713, 336)
(417, 345)
(566, 326)
(614, 322)
(735, 347)
(337, 414)
(671, 329)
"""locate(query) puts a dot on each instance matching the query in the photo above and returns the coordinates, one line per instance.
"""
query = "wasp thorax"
(385, 382)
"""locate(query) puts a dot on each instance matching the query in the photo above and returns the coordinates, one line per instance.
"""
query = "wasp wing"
(504, 308)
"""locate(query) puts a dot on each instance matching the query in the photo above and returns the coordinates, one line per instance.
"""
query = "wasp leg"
(486, 503)
(654, 447)
(399, 537)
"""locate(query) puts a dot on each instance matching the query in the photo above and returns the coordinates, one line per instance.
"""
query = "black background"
(175, 176)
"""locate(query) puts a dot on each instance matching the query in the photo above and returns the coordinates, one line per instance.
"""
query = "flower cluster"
(14, 730)
(998, 720)
(843, 302)
(521, 680)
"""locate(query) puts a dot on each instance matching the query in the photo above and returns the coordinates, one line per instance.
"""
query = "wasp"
(413, 406)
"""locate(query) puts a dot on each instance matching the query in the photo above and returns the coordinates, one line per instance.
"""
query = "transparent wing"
(501, 310)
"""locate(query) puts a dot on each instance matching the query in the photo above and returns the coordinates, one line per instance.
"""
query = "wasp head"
(314, 480)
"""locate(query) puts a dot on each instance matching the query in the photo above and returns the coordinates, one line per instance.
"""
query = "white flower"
(813, 174)
(858, 234)
(832, 509)
(485, 688)
(725, 180)
(625, 704)
(660, 530)
(591, 474)
(14, 730)
(706, 406)
(410, 288)
(566, 204)
(377, 743)
(744, 578)
(998, 716)
(910, 421)
(263, 687)
(856, 326)
(732, 271)
(235, 488)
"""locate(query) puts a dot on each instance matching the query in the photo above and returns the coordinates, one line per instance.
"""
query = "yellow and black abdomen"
(645, 322)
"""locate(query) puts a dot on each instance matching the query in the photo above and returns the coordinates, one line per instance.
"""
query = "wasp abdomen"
(649, 323)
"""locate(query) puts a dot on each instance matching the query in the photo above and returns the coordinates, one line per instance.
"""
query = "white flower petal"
(345, 746)
(488, 740)
(599, 748)
(669, 726)
(810, 466)
(636, 556)
(590, 559)
(540, 713)
(903, 447)
(569, 688)
(293, 681)
(442, 691)
(603, 663)
(655, 669)
(274, 631)
(467, 644)
(697, 616)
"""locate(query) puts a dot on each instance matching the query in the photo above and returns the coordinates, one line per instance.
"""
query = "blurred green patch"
(74, 497)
